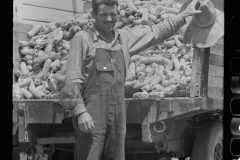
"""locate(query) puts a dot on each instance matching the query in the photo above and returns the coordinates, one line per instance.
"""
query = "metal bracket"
(26, 136)
(163, 146)
(25, 119)
(23, 122)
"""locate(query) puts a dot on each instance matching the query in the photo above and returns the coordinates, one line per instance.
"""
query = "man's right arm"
(71, 92)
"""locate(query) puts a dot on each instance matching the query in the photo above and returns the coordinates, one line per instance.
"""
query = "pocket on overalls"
(105, 72)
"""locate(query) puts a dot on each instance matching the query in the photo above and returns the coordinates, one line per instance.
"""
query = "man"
(95, 77)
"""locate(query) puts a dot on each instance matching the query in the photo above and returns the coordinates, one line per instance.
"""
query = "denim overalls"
(103, 95)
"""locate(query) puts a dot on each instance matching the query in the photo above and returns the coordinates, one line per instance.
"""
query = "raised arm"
(141, 39)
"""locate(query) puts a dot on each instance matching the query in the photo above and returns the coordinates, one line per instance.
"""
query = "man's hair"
(96, 3)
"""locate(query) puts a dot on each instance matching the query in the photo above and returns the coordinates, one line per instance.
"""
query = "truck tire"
(208, 143)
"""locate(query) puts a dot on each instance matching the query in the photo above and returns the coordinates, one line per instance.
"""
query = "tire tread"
(204, 141)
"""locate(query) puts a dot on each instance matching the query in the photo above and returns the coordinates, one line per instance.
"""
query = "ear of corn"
(46, 68)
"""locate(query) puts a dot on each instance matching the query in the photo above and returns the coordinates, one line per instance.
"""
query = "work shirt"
(82, 52)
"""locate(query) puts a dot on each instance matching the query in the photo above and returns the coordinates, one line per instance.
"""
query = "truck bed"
(138, 110)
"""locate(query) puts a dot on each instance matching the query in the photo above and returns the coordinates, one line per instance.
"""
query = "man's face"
(106, 17)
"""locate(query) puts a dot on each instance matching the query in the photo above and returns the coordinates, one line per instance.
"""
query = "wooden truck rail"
(141, 111)
(49, 112)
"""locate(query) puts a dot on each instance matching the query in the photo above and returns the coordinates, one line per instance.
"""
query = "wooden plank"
(40, 112)
(200, 56)
(18, 36)
(217, 50)
(44, 14)
(195, 72)
(16, 59)
(21, 27)
(14, 79)
(14, 112)
(17, 11)
(215, 92)
(54, 140)
(181, 106)
(215, 81)
(216, 60)
(204, 77)
(216, 71)
(21, 121)
(164, 106)
(133, 112)
(215, 103)
(151, 116)
(15, 127)
(135, 145)
(33, 23)
(76, 6)
(218, 103)
(21, 133)
(15, 46)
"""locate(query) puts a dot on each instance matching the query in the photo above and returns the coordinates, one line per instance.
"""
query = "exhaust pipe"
(159, 127)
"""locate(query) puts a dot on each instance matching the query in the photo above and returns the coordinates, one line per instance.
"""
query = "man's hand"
(85, 122)
(190, 9)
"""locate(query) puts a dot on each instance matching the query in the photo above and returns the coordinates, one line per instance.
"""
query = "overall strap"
(90, 33)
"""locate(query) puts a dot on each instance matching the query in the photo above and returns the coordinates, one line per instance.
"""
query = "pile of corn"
(160, 71)
(145, 12)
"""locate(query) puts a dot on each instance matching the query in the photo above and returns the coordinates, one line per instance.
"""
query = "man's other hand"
(85, 122)
(190, 9)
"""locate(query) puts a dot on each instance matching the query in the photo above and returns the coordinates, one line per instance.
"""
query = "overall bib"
(103, 95)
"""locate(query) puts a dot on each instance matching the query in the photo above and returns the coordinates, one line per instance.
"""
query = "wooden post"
(22, 131)
(17, 11)
(204, 76)
(200, 67)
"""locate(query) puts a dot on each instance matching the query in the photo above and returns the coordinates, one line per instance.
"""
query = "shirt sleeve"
(70, 97)
(143, 38)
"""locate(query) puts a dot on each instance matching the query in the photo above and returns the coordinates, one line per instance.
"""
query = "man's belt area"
(118, 91)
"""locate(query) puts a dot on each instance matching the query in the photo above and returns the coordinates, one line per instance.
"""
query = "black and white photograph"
(119, 80)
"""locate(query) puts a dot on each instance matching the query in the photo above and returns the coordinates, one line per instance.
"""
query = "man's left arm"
(143, 38)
